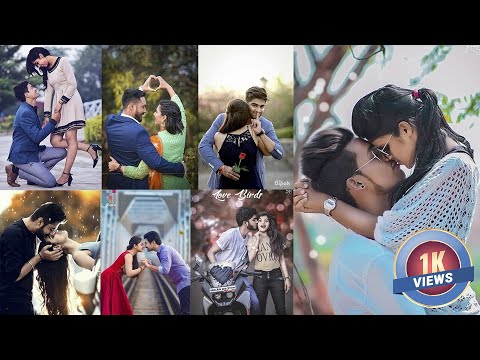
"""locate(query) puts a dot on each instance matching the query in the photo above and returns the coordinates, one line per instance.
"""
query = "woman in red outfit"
(113, 298)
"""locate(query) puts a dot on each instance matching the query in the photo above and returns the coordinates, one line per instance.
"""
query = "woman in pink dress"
(113, 298)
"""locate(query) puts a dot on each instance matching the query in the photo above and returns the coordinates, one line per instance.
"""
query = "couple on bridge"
(113, 298)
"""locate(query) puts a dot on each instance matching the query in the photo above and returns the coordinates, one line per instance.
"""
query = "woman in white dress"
(61, 85)
(407, 127)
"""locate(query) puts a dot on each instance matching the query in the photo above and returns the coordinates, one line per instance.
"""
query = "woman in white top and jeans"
(266, 247)
(408, 127)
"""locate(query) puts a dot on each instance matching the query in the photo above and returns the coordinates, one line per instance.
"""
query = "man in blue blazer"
(32, 161)
(256, 97)
(129, 143)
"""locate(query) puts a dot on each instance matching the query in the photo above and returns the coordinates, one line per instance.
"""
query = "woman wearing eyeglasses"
(408, 126)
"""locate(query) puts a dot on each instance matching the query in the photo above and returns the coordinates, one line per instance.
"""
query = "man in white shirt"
(361, 270)
(232, 246)
(360, 280)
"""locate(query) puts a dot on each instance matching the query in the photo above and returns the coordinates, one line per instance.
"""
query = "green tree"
(11, 73)
(279, 108)
(212, 103)
(466, 106)
(88, 72)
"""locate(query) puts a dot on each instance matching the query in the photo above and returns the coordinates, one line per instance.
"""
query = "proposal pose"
(61, 95)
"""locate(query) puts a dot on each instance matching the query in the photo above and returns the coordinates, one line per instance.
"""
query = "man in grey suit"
(256, 97)
(32, 161)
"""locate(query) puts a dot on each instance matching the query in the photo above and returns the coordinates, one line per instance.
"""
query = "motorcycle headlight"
(229, 295)
(217, 296)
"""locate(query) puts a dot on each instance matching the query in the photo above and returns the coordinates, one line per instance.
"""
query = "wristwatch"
(261, 132)
(329, 205)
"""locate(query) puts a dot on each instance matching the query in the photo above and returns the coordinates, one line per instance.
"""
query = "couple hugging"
(34, 243)
(140, 161)
(242, 137)
(359, 183)
(257, 235)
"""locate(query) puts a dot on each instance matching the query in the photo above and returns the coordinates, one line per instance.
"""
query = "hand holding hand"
(113, 164)
(58, 107)
(56, 116)
(307, 200)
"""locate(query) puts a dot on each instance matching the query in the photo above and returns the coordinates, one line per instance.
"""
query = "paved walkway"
(84, 176)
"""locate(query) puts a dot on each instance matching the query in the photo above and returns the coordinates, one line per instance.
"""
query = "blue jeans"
(254, 303)
(39, 172)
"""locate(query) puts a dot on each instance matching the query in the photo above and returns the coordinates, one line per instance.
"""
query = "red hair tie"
(415, 94)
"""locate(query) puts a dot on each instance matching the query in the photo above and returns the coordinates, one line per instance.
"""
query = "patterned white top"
(445, 199)
(62, 87)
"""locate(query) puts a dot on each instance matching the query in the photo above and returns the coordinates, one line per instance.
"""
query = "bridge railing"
(92, 108)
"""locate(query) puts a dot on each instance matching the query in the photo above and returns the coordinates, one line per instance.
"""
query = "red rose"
(242, 156)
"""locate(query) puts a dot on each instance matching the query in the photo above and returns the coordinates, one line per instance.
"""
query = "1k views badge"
(432, 268)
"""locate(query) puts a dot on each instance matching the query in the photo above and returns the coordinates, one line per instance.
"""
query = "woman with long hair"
(113, 298)
(53, 277)
(62, 95)
(266, 248)
(53, 282)
(237, 144)
(170, 141)
(407, 127)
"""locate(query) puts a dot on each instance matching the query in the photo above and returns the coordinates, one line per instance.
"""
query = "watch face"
(330, 203)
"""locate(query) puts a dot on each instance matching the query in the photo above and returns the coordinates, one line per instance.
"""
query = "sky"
(239, 67)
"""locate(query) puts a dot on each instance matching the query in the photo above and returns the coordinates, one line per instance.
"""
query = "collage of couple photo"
(239, 180)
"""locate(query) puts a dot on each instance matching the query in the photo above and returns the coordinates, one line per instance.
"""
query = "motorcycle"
(228, 297)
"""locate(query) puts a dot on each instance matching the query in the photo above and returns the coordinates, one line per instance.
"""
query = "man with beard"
(232, 246)
(129, 142)
(18, 259)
